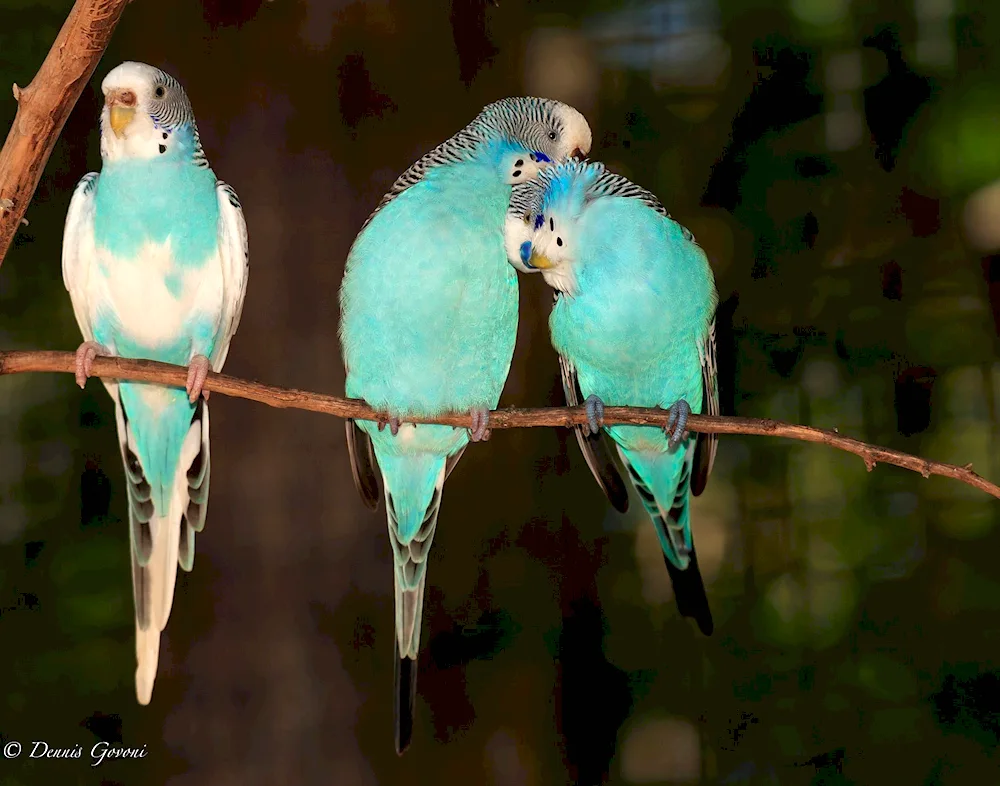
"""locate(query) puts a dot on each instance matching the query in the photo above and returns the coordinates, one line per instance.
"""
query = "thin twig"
(45, 104)
(176, 376)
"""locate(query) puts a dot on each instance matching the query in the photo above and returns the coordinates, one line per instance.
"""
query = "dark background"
(837, 161)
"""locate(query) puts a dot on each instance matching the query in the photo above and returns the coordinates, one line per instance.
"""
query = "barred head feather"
(593, 181)
(161, 106)
(559, 195)
(541, 125)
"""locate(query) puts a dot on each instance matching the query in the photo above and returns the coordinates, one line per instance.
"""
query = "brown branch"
(152, 371)
(45, 104)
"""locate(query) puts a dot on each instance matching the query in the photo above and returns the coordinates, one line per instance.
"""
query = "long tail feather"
(198, 476)
(147, 655)
(672, 522)
(412, 522)
(689, 591)
(405, 700)
(161, 542)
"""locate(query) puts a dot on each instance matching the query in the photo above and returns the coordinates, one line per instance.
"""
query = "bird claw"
(393, 422)
(480, 420)
(85, 355)
(595, 413)
(676, 427)
(197, 374)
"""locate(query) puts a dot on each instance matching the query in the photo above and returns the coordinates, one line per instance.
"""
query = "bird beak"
(121, 104)
(540, 261)
(577, 155)
(121, 116)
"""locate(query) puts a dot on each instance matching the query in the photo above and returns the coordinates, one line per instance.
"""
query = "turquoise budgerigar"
(155, 260)
(429, 319)
(634, 325)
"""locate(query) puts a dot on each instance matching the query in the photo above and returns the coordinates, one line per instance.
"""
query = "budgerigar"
(634, 325)
(155, 260)
(429, 319)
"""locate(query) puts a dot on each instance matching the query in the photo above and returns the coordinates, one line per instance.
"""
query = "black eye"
(159, 91)
(558, 241)
(552, 135)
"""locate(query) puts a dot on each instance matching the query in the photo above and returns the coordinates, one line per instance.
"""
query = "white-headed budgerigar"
(634, 325)
(429, 320)
(155, 260)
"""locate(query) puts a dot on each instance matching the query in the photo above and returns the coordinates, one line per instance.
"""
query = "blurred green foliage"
(856, 611)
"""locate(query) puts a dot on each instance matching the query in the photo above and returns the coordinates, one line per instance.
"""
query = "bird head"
(551, 250)
(558, 201)
(550, 129)
(565, 132)
(144, 109)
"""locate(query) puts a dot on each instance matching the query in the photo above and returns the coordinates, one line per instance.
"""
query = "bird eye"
(552, 135)
(159, 91)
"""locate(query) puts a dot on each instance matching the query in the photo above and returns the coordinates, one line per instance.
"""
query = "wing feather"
(78, 250)
(706, 445)
(235, 252)
(593, 447)
(359, 450)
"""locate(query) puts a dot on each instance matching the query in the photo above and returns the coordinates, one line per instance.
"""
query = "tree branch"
(45, 104)
(176, 376)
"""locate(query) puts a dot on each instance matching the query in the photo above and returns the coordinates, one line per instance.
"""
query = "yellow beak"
(540, 261)
(121, 116)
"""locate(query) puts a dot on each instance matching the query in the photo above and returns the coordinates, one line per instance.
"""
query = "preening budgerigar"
(634, 325)
(429, 319)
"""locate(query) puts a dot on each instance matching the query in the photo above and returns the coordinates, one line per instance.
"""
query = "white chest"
(152, 298)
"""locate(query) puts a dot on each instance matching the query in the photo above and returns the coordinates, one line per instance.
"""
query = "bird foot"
(595, 413)
(676, 427)
(197, 374)
(393, 425)
(85, 355)
(480, 422)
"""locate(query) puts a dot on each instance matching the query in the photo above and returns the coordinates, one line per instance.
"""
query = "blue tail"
(164, 445)
(663, 481)
(413, 484)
